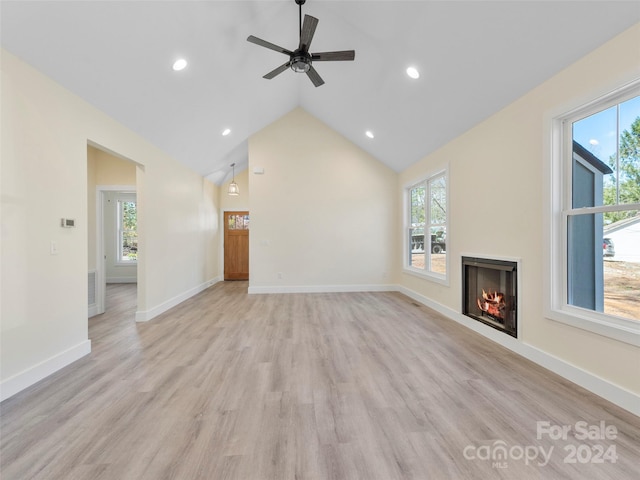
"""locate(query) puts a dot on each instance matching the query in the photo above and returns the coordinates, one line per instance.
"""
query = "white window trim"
(406, 215)
(557, 195)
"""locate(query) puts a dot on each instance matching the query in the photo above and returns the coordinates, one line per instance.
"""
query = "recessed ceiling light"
(226, 132)
(369, 134)
(413, 72)
(179, 64)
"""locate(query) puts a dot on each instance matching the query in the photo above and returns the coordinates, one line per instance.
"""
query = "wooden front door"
(236, 245)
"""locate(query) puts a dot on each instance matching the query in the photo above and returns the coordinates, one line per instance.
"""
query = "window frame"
(559, 210)
(425, 273)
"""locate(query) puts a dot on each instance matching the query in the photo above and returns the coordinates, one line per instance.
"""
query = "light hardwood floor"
(303, 386)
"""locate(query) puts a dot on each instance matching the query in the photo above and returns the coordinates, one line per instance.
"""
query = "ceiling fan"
(300, 60)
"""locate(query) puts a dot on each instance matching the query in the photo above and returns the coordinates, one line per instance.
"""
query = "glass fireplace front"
(490, 292)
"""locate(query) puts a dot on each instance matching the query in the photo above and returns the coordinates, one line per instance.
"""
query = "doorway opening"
(112, 224)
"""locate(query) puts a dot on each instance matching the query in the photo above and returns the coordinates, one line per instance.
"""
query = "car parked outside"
(608, 250)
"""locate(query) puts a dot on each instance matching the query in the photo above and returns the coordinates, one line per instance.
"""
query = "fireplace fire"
(493, 304)
(490, 292)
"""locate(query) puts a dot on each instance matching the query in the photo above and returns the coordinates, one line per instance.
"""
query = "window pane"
(416, 240)
(438, 199)
(129, 247)
(628, 167)
(622, 272)
(438, 222)
(584, 262)
(608, 143)
(438, 250)
(128, 231)
(594, 155)
(417, 206)
(416, 231)
(603, 265)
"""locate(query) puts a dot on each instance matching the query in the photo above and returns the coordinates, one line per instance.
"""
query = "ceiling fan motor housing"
(300, 61)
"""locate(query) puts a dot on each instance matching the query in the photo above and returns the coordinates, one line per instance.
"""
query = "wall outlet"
(53, 248)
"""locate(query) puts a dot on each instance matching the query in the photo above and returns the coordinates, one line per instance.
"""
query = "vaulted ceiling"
(474, 58)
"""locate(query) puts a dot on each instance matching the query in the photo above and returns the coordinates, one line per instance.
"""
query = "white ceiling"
(475, 57)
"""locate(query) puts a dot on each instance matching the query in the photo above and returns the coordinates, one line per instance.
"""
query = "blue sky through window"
(598, 132)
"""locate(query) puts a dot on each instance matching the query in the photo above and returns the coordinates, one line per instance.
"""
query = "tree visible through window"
(127, 231)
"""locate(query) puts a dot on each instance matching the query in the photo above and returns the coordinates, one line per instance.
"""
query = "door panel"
(236, 245)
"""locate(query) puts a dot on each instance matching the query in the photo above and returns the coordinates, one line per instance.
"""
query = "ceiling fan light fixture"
(300, 64)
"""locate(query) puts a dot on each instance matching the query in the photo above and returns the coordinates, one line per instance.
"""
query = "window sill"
(126, 264)
(623, 330)
(423, 274)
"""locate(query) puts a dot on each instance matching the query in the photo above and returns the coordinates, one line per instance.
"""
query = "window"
(426, 234)
(127, 230)
(596, 282)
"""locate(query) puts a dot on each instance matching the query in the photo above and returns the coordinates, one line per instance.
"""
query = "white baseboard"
(93, 310)
(32, 375)
(607, 390)
(146, 315)
(321, 289)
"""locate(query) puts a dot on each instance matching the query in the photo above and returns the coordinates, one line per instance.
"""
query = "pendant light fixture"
(233, 186)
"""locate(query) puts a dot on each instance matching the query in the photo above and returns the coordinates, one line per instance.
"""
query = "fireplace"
(490, 292)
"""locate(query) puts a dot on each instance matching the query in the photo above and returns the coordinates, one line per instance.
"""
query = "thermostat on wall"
(67, 222)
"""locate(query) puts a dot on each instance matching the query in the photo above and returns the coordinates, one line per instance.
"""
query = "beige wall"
(322, 214)
(499, 166)
(45, 132)
(109, 169)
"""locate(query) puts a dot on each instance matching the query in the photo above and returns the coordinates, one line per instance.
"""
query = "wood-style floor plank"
(304, 386)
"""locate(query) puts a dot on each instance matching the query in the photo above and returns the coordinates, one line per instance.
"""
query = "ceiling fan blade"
(277, 71)
(314, 77)
(333, 56)
(269, 45)
(308, 29)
